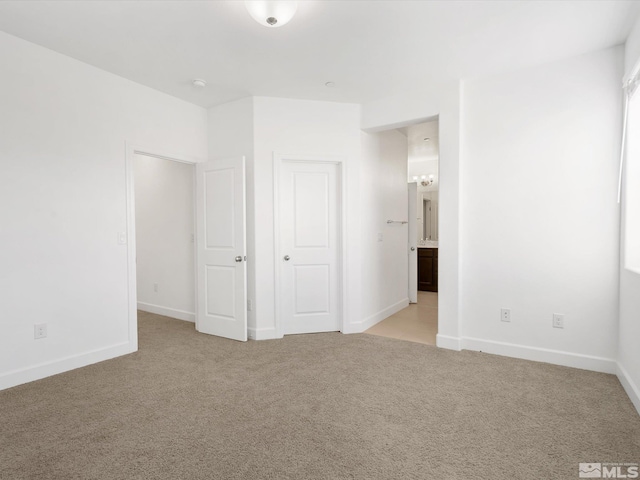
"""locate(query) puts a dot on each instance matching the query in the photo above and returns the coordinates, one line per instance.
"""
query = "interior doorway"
(164, 236)
(419, 321)
(181, 309)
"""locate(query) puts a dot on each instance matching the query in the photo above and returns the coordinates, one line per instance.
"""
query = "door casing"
(339, 161)
(130, 235)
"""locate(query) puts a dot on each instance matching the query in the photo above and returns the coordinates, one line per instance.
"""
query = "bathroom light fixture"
(423, 180)
(271, 13)
(199, 83)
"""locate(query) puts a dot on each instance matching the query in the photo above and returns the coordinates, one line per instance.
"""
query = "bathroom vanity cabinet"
(427, 269)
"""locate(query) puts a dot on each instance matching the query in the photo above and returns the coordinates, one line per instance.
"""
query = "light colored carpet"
(324, 406)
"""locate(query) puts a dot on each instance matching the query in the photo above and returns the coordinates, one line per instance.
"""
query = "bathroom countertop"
(429, 245)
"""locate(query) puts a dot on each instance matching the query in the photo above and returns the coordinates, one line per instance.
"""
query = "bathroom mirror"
(428, 208)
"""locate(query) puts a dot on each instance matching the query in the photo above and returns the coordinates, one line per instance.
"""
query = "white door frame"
(131, 152)
(339, 161)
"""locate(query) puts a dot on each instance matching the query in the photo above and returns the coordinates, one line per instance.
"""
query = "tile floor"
(416, 323)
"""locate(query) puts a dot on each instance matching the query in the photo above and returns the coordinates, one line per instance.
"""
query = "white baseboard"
(556, 357)
(167, 312)
(450, 343)
(36, 372)
(377, 317)
(629, 386)
(262, 333)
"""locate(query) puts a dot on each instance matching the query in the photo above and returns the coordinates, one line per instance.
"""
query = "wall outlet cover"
(558, 320)
(39, 330)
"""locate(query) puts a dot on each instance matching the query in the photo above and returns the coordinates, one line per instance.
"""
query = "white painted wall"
(164, 202)
(629, 324)
(539, 219)
(383, 196)
(313, 128)
(62, 188)
(558, 124)
(230, 128)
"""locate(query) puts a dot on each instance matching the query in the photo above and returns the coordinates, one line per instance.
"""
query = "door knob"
(287, 258)
(238, 258)
(413, 248)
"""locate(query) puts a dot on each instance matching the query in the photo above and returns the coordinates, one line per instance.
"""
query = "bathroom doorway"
(419, 321)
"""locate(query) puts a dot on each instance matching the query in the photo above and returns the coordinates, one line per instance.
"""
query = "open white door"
(221, 258)
(413, 240)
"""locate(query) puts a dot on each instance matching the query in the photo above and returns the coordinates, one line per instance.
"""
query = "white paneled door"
(309, 247)
(413, 242)
(221, 260)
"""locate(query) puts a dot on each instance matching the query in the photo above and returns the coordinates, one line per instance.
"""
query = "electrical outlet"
(39, 330)
(558, 320)
(380, 237)
(249, 305)
(155, 287)
(505, 315)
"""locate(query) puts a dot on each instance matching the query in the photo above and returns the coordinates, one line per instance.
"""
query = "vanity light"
(424, 181)
(271, 13)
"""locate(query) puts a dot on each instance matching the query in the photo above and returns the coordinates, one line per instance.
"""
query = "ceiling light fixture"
(199, 83)
(271, 13)
(424, 181)
(330, 84)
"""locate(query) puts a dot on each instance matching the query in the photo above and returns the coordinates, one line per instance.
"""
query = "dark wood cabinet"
(428, 269)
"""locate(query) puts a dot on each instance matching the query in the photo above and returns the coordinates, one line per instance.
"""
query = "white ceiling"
(370, 49)
(420, 149)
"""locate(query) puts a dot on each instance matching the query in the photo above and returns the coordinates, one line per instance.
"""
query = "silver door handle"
(413, 249)
(238, 258)
(287, 258)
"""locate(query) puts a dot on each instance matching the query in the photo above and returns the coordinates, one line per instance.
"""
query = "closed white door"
(221, 261)
(309, 246)
(413, 241)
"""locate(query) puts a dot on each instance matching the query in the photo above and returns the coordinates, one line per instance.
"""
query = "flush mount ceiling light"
(271, 13)
(199, 83)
